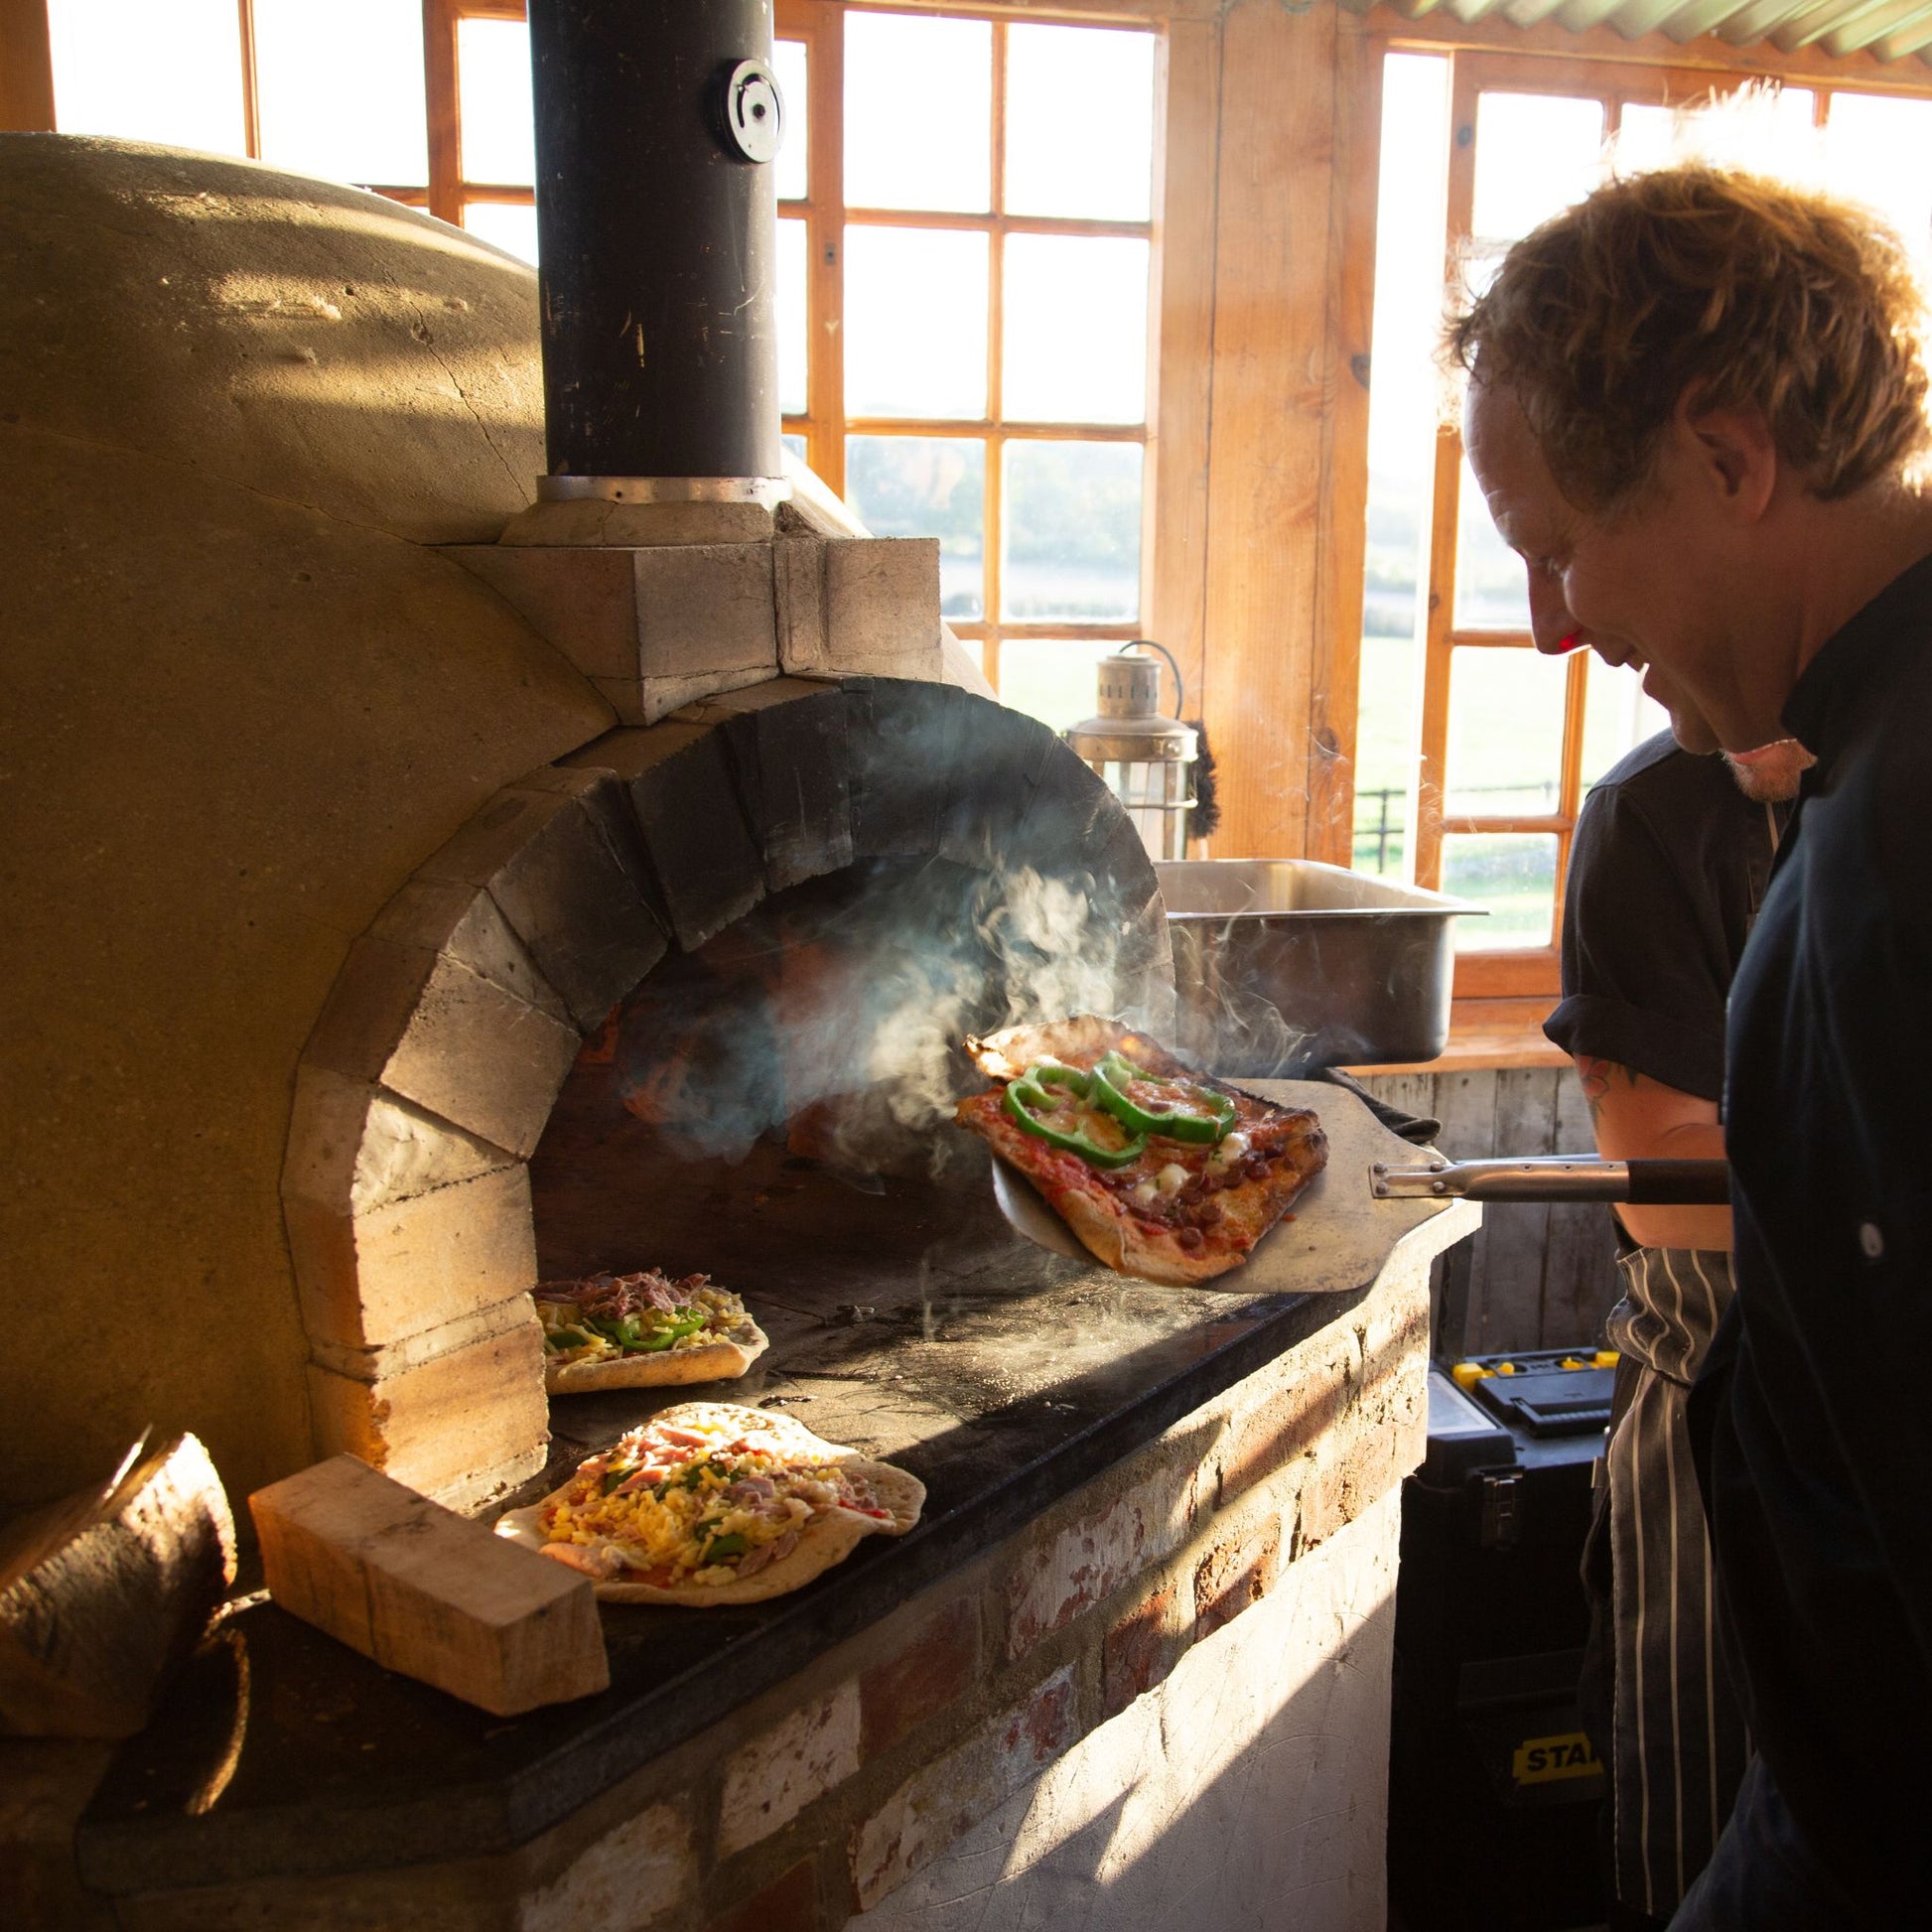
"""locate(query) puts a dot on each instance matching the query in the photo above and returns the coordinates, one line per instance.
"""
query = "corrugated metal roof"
(1888, 29)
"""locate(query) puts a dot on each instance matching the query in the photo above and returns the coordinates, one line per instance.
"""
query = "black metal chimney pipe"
(657, 235)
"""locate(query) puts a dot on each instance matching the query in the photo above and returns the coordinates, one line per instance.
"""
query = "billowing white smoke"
(863, 1008)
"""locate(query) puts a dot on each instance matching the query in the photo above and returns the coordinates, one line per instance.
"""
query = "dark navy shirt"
(1669, 868)
(1813, 1419)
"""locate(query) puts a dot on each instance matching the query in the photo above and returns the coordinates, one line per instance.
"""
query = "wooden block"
(426, 1592)
(101, 1591)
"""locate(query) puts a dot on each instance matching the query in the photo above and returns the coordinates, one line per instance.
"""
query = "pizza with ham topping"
(713, 1503)
(1161, 1171)
(621, 1331)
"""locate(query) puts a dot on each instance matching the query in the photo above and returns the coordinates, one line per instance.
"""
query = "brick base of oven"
(1170, 1690)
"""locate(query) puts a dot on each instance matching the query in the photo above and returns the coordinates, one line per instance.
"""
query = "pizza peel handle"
(1556, 1177)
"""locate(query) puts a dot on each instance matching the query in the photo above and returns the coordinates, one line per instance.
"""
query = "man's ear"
(1733, 446)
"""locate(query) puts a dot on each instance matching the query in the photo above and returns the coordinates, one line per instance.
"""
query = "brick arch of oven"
(451, 1025)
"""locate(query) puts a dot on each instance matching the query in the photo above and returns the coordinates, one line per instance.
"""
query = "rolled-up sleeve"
(1642, 983)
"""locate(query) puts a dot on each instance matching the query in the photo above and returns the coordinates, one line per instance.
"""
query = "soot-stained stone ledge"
(440, 1780)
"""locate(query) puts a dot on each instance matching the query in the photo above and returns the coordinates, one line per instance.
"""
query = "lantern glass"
(1157, 795)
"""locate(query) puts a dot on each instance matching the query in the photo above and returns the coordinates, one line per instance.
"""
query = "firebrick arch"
(433, 1068)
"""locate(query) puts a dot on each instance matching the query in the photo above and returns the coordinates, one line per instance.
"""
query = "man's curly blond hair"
(1753, 291)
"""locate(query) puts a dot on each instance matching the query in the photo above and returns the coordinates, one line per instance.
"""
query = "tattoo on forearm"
(1594, 1073)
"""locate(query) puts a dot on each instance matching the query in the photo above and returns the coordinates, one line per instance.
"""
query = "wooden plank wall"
(1534, 1277)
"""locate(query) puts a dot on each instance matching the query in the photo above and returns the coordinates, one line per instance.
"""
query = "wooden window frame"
(1616, 83)
(449, 193)
(825, 424)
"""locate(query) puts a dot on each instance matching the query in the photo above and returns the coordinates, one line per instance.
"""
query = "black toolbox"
(1493, 1788)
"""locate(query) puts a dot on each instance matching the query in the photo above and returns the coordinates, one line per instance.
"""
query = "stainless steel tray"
(1284, 965)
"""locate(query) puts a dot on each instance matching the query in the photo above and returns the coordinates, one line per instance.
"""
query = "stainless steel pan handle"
(1559, 1177)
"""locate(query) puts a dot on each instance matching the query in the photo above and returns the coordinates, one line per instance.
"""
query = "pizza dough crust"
(713, 1361)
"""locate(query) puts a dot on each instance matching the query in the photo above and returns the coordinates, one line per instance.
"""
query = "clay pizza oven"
(391, 728)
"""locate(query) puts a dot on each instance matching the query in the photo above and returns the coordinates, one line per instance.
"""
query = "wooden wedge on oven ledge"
(426, 1592)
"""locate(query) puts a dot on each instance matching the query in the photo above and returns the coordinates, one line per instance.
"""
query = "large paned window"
(965, 245)
(335, 90)
(1474, 752)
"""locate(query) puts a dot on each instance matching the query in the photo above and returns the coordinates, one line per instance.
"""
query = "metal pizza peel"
(1376, 1189)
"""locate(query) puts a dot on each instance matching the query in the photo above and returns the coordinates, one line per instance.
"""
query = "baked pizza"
(1162, 1172)
(713, 1503)
(628, 1331)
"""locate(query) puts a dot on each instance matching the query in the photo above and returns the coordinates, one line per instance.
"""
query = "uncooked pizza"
(710, 1503)
(641, 1330)
(1161, 1171)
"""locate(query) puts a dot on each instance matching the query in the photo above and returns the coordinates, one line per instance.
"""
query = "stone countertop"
(908, 1320)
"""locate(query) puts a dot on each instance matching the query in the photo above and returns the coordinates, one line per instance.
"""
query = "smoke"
(834, 1013)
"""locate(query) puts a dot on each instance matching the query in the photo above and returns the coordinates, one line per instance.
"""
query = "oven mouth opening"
(777, 1105)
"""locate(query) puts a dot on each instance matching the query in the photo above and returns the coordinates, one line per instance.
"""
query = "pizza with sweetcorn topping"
(710, 1503)
(1161, 1171)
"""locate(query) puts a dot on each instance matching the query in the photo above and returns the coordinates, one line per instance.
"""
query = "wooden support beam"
(426, 1592)
(1173, 538)
(26, 69)
(1294, 177)
(1335, 662)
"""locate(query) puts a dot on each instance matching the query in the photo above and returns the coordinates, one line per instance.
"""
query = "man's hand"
(1637, 1118)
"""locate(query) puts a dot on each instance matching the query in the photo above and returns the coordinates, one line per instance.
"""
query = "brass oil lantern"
(1146, 759)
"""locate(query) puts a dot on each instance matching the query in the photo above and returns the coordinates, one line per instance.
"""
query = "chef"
(1672, 857)
(1697, 401)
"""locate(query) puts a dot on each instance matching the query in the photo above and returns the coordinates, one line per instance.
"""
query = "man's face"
(1641, 585)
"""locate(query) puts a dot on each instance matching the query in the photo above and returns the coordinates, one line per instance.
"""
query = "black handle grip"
(1679, 1184)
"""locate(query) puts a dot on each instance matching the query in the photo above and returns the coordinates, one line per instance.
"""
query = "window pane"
(796, 445)
(918, 113)
(1505, 731)
(146, 72)
(1079, 123)
(493, 98)
(1385, 761)
(1767, 130)
(1492, 588)
(793, 262)
(927, 487)
(1072, 533)
(505, 227)
(1535, 154)
(1617, 717)
(1053, 679)
(792, 167)
(914, 323)
(1076, 330)
(1646, 137)
(339, 89)
(1513, 873)
(1401, 447)
(1880, 150)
